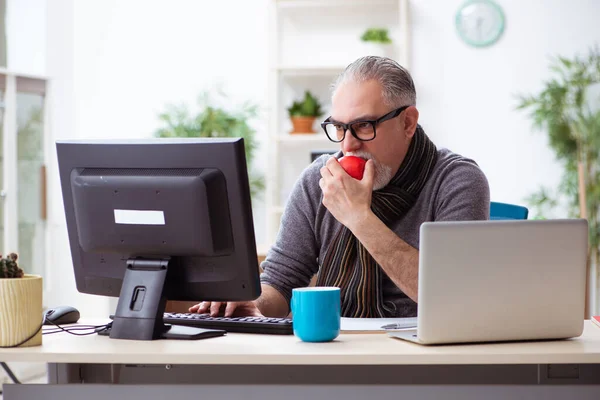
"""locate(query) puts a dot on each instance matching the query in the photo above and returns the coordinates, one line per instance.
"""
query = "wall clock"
(480, 23)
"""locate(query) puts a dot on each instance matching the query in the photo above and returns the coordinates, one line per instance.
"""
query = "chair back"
(507, 211)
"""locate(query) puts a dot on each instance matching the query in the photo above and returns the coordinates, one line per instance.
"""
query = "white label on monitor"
(139, 217)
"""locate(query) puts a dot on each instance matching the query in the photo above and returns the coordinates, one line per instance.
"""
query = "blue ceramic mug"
(316, 313)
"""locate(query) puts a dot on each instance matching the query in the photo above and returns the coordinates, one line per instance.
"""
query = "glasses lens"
(335, 132)
(364, 130)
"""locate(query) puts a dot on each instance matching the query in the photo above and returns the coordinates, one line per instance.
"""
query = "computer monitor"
(157, 219)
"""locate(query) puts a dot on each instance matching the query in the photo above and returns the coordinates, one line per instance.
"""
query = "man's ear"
(411, 118)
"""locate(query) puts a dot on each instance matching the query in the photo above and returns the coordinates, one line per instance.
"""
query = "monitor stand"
(142, 302)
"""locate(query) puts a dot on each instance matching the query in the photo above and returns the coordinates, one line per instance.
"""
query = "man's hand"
(238, 309)
(346, 198)
(271, 303)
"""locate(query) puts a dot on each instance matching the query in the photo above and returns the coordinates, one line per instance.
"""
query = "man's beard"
(383, 173)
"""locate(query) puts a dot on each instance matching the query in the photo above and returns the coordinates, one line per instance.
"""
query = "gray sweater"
(456, 190)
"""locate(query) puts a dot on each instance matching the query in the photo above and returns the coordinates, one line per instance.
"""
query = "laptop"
(493, 281)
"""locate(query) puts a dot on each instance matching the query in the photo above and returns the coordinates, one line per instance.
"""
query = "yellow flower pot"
(21, 310)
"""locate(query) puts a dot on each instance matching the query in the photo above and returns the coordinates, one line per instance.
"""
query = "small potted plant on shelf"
(20, 305)
(376, 42)
(303, 113)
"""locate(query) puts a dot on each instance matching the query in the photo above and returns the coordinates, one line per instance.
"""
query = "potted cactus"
(303, 113)
(20, 305)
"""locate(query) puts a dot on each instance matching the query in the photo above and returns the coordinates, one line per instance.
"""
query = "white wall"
(115, 64)
(467, 96)
(60, 68)
(134, 57)
(26, 36)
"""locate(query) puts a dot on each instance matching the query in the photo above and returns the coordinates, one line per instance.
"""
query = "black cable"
(60, 329)
(6, 367)
(9, 372)
(26, 340)
(74, 328)
(70, 331)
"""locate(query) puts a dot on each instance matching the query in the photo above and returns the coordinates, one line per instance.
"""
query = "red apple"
(354, 166)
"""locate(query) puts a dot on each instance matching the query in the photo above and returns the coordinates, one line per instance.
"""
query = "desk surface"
(347, 349)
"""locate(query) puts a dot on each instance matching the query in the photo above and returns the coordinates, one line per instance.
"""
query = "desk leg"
(64, 373)
(84, 373)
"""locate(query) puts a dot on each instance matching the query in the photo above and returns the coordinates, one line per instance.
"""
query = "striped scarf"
(348, 265)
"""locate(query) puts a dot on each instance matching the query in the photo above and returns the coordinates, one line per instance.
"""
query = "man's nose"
(350, 143)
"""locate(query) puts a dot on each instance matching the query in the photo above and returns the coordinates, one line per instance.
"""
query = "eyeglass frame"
(374, 123)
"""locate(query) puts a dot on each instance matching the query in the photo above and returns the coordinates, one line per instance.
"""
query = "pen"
(399, 326)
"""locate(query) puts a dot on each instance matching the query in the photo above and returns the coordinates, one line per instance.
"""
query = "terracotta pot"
(21, 310)
(303, 124)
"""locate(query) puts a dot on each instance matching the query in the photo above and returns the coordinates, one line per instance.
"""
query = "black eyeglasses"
(362, 130)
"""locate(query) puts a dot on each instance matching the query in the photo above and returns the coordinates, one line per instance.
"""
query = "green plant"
(378, 35)
(307, 107)
(565, 109)
(213, 120)
(9, 267)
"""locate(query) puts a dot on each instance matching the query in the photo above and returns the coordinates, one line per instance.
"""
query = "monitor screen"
(177, 206)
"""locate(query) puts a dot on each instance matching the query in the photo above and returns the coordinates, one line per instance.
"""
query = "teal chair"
(507, 211)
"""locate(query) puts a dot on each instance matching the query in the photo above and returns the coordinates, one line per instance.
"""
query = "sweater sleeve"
(292, 260)
(464, 193)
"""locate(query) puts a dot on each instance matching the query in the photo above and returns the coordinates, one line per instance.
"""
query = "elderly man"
(363, 235)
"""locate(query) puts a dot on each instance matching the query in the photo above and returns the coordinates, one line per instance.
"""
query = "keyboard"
(264, 325)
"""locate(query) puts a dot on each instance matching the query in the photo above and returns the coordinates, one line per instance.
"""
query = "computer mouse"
(61, 315)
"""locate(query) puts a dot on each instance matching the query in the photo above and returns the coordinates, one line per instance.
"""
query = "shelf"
(299, 4)
(310, 71)
(5, 71)
(302, 33)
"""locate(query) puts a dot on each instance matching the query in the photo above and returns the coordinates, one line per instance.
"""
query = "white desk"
(355, 366)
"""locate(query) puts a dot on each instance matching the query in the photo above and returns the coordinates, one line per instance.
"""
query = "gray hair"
(398, 86)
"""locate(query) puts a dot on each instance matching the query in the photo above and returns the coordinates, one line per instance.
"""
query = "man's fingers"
(231, 306)
(334, 166)
(215, 307)
(325, 172)
(369, 173)
(204, 307)
(200, 307)
(257, 313)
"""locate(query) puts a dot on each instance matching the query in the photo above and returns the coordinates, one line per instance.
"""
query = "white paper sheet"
(377, 324)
